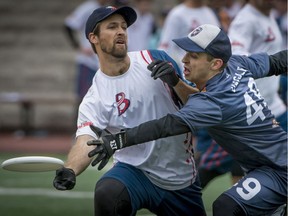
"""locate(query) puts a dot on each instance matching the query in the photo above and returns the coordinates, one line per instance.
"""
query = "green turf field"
(33, 194)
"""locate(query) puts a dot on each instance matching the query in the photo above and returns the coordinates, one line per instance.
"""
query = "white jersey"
(140, 32)
(77, 21)
(126, 101)
(251, 32)
(180, 21)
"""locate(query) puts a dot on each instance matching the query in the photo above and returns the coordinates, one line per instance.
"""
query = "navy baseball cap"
(209, 39)
(102, 13)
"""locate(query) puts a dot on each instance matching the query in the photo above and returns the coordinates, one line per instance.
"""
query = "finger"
(103, 163)
(161, 70)
(157, 68)
(95, 142)
(97, 150)
(106, 132)
(152, 64)
(59, 186)
(98, 159)
(96, 130)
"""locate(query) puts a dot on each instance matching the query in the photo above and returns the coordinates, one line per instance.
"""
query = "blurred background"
(37, 63)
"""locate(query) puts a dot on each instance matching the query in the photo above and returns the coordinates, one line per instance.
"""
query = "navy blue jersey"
(237, 116)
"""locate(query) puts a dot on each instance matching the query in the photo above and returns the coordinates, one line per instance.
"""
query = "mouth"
(120, 41)
(186, 71)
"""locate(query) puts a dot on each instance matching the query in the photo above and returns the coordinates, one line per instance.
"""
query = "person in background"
(181, 20)
(225, 10)
(254, 29)
(86, 60)
(159, 175)
(155, 38)
(144, 27)
(280, 13)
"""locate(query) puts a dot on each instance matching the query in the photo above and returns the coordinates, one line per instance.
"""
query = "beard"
(114, 51)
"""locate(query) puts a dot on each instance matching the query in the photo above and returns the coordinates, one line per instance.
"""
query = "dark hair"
(96, 32)
(210, 58)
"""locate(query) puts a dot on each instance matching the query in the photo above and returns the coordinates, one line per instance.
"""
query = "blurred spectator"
(254, 29)
(181, 20)
(280, 13)
(86, 60)
(144, 27)
(225, 10)
(155, 38)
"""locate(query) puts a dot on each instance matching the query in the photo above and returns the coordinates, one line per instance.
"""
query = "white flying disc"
(32, 164)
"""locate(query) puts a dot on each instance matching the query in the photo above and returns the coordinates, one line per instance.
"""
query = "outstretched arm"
(278, 63)
(108, 143)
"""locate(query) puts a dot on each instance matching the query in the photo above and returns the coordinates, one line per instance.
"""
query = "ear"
(93, 38)
(216, 64)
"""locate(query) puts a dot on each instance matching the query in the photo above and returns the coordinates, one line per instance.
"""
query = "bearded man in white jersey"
(159, 175)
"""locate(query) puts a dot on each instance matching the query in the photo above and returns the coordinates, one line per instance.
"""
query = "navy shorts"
(144, 194)
(261, 191)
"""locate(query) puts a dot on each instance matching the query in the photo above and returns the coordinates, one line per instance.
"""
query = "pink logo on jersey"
(270, 36)
(122, 103)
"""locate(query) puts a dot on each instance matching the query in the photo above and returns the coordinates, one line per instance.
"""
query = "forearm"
(278, 63)
(183, 90)
(78, 159)
(166, 126)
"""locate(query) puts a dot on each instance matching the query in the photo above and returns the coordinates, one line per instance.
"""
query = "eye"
(112, 26)
(193, 55)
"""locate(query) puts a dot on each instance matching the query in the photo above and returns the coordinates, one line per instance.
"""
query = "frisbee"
(32, 164)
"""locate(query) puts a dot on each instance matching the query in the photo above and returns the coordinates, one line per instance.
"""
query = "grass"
(33, 194)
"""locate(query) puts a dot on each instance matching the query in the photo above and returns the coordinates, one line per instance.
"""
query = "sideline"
(46, 192)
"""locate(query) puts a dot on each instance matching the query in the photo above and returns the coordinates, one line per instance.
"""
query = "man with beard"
(158, 175)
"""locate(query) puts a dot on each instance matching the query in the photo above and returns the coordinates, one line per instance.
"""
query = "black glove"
(106, 145)
(165, 71)
(65, 179)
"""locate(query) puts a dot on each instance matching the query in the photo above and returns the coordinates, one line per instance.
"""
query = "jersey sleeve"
(88, 114)
(162, 55)
(258, 64)
(200, 111)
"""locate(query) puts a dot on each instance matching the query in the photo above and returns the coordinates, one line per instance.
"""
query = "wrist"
(121, 139)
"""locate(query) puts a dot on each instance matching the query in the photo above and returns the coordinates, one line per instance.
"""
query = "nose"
(184, 59)
(121, 31)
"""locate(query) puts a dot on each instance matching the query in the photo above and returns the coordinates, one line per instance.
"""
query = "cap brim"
(128, 13)
(188, 45)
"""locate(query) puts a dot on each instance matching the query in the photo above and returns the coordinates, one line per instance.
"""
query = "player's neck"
(114, 66)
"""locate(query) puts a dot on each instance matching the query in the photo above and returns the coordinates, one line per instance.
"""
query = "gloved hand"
(165, 71)
(106, 145)
(65, 179)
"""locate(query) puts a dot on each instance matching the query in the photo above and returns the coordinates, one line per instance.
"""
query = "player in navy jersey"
(159, 175)
(230, 106)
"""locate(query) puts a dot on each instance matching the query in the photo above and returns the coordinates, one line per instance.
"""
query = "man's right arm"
(77, 159)
(76, 163)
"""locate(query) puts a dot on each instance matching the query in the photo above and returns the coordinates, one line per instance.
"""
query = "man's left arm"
(108, 143)
(278, 63)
